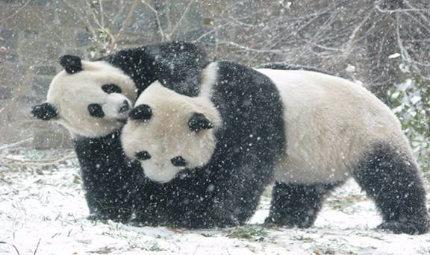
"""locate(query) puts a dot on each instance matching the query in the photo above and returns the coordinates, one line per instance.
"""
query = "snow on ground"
(43, 211)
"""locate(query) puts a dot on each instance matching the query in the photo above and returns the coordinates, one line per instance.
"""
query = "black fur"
(176, 65)
(178, 161)
(198, 122)
(71, 64)
(45, 111)
(392, 180)
(297, 205)
(96, 111)
(227, 190)
(143, 155)
(142, 112)
(111, 88)
(243, 161)
(109, 178)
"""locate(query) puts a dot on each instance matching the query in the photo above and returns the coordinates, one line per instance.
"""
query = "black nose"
(125, 107)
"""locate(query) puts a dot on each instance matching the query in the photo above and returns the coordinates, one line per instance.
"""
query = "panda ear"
(142, 112)
(71, 64)
(45, 111)
(198, 122)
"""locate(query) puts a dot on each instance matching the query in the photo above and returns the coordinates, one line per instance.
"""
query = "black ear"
(71, 64)
(142, 112)
(198, 122)
(45, 111)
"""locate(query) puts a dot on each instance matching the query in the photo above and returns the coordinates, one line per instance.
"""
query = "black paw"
(122, 217)
(270, 222)
(406, 227)
(97, 217)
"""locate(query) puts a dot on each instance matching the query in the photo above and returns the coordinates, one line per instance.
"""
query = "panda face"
(168, 132)
(93, 101)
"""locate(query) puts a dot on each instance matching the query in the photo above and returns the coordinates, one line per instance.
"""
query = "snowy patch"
(43, 207)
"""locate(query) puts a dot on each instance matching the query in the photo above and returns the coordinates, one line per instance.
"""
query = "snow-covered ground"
(43, 211)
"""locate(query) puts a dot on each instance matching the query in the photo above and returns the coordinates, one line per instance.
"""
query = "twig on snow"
(37, 246)
(11, 244)
(11, 145)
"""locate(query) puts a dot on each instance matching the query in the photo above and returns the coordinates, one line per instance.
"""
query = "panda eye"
(178, 161)
(111, 88)
(96, 110)
(143, 155)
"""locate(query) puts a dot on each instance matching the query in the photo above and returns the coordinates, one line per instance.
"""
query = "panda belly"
(330, 123)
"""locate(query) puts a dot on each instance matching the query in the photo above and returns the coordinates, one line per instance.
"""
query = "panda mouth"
(123, 121)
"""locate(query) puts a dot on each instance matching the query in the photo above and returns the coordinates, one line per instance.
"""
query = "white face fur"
(164, 143)
(91, 102)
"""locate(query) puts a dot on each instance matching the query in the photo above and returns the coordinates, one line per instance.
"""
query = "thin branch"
(403, 52)
(212, 31)
(157, 18)
(49, 29)
(19, 10)
(101, 13)
(8, 146)
(20, 91)
(93, 14)
(85, 21)
(123, 25)
(118, 14)
(37, 246)
(249, 49)
(377, 7)
(181, 18)
(41, 162)
(16, 249)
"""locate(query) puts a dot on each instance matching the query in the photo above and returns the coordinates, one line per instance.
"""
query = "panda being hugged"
(93, 99)
(308, 131)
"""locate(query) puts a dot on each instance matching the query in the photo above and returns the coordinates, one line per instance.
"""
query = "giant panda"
(93, 99)
(307, 131)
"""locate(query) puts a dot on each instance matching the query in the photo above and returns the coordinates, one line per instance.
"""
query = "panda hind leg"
(391, 178)
(297, 205)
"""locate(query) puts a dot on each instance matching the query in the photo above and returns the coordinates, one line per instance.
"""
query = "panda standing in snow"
(308, 131)
(93, 99)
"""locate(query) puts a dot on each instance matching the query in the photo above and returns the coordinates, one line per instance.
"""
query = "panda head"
(91, 99)
(168, 132)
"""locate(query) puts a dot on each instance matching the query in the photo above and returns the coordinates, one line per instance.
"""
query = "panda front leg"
(391, 178)
(297, 205)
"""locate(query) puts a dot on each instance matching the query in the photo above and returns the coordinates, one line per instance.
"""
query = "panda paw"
(270, 222)
(405, 227)
(116, 217)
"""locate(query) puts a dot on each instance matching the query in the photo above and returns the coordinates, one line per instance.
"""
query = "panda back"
(330, 122)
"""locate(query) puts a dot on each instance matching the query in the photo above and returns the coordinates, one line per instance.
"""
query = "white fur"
(330, 123)
(72, 93)
(167, 135)
(209, 77)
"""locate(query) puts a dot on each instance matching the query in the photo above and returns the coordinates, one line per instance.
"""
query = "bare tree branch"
(15, 13)
(181, 18)
(157, 18)
(123, 25)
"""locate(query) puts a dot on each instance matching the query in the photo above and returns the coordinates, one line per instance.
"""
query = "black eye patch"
(111, 88)
(178, 161)
(142, 112)
(96, 110)
(143, 155)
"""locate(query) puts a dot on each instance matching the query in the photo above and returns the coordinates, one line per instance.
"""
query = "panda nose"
(125, 107)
